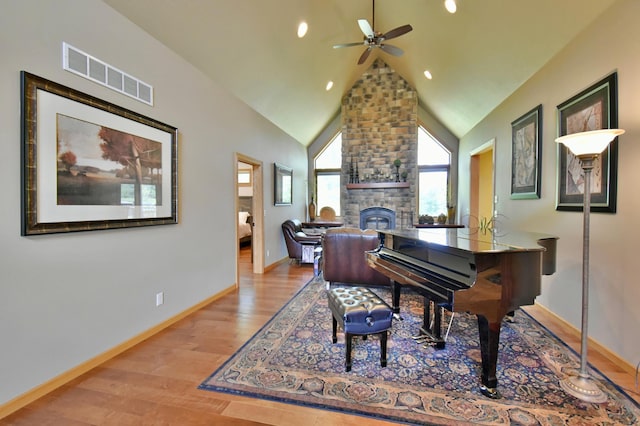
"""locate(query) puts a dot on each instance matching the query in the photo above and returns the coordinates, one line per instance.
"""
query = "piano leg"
(395, 298)
(489, 340)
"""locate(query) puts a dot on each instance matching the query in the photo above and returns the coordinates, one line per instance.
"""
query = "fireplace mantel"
(377, 185)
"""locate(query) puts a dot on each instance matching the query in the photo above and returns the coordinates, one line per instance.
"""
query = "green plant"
(397, 162)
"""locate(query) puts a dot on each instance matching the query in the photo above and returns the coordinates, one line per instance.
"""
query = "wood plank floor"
(155, 383)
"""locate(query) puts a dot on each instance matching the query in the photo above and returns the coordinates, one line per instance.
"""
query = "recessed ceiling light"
(427, 74)
(450, 5)
(302, 29)
(329, 85)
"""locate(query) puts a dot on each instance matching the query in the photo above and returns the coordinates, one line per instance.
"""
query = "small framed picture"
(594, 108)
(526, 154)
(282, 185)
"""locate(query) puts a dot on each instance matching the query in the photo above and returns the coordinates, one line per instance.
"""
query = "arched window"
(328, 166)
(434, 167)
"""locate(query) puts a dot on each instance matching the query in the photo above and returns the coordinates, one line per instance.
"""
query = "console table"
(437, 225)
(322, 224)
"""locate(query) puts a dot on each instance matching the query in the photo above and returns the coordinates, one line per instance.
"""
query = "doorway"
(248, 180)
(482, 187)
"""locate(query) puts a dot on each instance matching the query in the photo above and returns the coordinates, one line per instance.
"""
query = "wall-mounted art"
(526, 154)
(594, 108)
(92, 165)
(282, 185)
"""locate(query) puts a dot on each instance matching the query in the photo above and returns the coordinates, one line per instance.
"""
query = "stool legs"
(335, 330)
(347, 364)
(348, 346)
(383, 349)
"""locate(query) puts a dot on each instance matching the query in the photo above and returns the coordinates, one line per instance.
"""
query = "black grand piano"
(463, 270)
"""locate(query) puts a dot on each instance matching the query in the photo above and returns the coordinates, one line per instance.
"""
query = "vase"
(451, 215)
(312, 210)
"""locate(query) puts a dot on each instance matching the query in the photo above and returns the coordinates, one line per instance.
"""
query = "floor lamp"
(586, 146)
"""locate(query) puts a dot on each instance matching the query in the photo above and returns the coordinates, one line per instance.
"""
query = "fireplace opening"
(377, 218)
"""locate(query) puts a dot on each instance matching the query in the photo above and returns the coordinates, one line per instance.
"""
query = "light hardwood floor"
(155, 383)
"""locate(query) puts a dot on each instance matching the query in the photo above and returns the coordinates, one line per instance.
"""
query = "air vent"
(85, 65)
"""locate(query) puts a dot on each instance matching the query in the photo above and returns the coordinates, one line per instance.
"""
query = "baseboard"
(275, 264)
(60, 380)
(592, 344)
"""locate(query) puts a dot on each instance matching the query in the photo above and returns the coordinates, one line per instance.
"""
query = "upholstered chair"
(327, 214)
(296, 238)
(343, 257)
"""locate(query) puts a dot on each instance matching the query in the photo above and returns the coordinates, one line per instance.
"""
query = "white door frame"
(257, 207)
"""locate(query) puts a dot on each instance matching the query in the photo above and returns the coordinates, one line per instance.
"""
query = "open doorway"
(482, 187)
(249, 208)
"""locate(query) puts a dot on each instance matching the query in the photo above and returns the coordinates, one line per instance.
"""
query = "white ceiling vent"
(78, 62)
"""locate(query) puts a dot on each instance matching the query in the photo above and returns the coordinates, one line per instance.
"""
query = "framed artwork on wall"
(594, 108)
(282, 185)
(526, 154)
(89, 165)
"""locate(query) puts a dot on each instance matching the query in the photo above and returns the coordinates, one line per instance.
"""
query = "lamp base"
(583, 388)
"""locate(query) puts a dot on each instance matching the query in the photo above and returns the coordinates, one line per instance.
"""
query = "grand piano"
(486, 274)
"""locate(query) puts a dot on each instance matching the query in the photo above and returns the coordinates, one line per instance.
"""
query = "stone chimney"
(380, 125)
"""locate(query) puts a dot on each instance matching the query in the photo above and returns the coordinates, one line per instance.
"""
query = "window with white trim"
(328, 166)
(434, 167)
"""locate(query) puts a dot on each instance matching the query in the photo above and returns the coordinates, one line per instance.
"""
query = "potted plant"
(397, 163)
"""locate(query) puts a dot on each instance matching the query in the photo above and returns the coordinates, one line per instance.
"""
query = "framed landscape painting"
(526, 154)
(594, 108)
(89, 164)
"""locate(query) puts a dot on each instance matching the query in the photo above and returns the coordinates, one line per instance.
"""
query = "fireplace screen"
(377, 218)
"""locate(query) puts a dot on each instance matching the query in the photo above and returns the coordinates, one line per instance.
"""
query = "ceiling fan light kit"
(373, 39)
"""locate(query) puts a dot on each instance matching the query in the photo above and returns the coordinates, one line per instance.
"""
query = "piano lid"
(474, 241)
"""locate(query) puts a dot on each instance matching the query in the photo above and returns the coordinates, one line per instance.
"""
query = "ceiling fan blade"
(366, 28)
(364, 56)
(396, 32)
(338, 46)
(393, 50)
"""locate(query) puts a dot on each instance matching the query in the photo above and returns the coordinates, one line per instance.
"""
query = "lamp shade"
(592, 142)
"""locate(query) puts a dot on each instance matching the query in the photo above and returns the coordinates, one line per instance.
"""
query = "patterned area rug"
(292, 360)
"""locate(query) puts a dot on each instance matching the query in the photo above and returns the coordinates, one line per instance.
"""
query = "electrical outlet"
(267, 253)
(159, 298)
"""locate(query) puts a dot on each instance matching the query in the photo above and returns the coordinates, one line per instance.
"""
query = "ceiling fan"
(373, 39)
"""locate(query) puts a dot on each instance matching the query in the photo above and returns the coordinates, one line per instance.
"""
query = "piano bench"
(359, 311)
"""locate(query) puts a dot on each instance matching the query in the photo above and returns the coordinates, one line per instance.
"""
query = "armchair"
(296, 239)
(343, 258)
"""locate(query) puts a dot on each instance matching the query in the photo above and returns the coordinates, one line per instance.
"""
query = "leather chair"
(296, 238)
(343, 258)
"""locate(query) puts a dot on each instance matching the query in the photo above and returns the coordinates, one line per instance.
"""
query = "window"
(328, 165)
(434, 163)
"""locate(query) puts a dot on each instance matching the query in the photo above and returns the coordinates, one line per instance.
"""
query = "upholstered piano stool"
(359, 311)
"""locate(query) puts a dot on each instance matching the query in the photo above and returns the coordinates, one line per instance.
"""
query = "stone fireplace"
(380, 126)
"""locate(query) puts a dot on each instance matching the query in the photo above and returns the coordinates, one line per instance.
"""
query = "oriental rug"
(292, 360)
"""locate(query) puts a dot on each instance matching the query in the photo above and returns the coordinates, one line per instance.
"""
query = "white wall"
(610, 44)
(66, 298)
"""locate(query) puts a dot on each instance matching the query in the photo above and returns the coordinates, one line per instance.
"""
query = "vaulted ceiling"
(477, 56)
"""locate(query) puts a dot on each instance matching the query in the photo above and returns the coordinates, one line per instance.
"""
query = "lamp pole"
(582, 386)
(586, 146)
